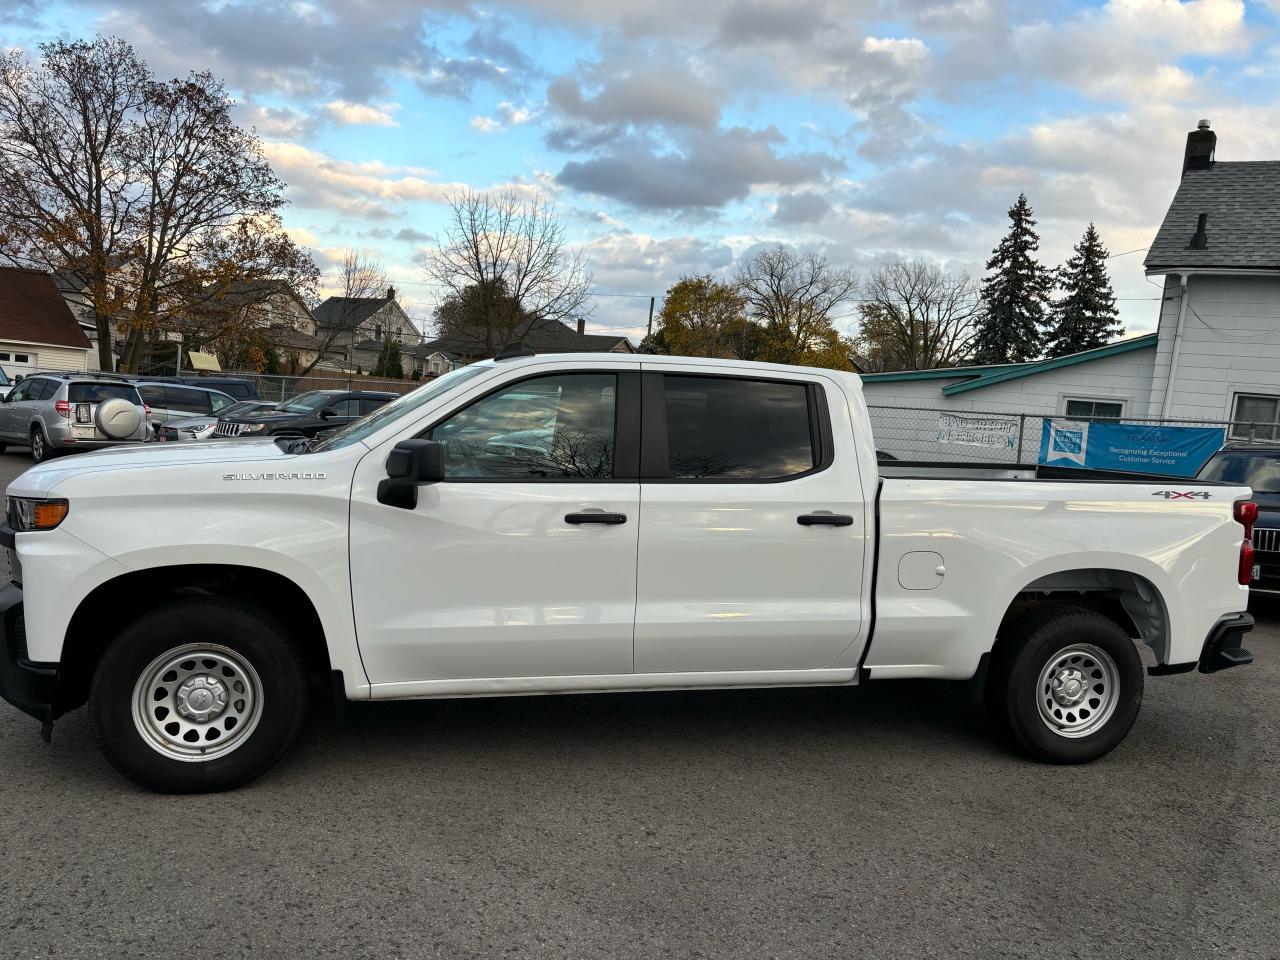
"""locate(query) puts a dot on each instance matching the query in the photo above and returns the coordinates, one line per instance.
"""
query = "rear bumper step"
(1222, 647)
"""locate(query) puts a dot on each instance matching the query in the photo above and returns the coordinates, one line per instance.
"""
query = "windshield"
(1259, 471)
(359, 429)
(308, 402)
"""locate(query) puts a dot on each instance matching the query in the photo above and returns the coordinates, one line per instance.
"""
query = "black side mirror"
(328, 412)
(411, 464)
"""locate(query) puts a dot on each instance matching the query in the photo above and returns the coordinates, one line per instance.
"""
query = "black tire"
(41, 449)
(253, 638)
(1035, 656)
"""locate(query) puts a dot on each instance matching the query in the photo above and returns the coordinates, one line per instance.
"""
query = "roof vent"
(1200, 239)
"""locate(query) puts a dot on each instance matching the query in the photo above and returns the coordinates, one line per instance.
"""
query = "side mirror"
(411, 464)
(328, 412)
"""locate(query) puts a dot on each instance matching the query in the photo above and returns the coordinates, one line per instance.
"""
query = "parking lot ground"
(876, 822)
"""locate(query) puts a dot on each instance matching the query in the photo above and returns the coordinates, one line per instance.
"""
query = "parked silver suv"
(64, 412)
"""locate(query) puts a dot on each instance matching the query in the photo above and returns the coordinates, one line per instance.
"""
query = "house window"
(377, 331)
(1255, 417)
(15, 357)
(1095, 409)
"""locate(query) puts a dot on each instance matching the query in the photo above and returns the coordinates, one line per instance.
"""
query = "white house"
(37, 329)
(1214, 358)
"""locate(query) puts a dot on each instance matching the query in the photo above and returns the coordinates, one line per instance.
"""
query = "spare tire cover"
(118, 418)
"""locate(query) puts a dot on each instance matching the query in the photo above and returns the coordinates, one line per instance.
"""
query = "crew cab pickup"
(575, 523)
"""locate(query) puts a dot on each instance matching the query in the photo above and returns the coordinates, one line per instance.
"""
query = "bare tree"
(145, 189)
(505, 261)
(794, 297)
(915, 316)
(359, 278)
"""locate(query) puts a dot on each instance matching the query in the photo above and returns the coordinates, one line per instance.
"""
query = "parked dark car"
(237, 388)
(1258, 465)
(306, 414)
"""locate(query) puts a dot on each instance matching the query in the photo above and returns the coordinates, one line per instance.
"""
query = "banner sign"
(1135, 447)
(978, 431)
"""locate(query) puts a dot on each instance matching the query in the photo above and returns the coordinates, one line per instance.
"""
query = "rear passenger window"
(180, 398)
(734, 429)
(41, 389)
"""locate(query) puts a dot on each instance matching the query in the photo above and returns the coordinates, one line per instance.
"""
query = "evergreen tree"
(1085, 316)
(389, 364)
(1015, 294)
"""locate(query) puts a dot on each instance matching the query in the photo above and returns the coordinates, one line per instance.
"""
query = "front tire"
(198, 695)
(1069, 686)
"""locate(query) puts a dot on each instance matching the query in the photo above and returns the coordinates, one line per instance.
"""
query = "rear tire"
(1070, 682)
(41, 450)
(198, 695)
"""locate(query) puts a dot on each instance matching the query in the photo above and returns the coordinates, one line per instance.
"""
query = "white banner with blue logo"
(1174, 451)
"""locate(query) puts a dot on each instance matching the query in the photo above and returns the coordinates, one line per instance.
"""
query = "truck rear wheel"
(1070, 685)
(198, 695)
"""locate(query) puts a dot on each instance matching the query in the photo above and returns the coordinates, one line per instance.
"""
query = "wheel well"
(115, 604)
(1131, 601)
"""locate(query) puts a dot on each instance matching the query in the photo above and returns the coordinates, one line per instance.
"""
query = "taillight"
(63, 408)
(1246, 513)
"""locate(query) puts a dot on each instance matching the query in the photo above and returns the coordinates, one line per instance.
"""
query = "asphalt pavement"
(885, 821)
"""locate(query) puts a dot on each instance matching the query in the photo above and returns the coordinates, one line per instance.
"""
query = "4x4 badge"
(1183, 494)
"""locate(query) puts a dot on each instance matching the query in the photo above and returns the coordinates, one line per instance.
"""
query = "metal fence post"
(1022, 423)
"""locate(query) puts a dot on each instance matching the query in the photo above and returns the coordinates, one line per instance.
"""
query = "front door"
(522, 562)
(753, 532)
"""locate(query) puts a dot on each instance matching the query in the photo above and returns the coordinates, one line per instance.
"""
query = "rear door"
(753, 534)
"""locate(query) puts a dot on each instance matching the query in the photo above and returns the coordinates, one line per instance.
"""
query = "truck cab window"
(721, 428)
(548, 428)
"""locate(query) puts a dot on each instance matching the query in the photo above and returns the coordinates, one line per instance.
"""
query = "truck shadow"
(890, 717)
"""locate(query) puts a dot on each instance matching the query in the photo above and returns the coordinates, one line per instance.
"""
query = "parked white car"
(689, 524)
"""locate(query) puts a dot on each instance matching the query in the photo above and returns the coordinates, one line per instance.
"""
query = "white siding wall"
(41, 357)
(1230, 344)
(910, 433)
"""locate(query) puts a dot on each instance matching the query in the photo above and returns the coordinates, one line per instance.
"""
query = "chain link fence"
(281, 388)
(935, 435)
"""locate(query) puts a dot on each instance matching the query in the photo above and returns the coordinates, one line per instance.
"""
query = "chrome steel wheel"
(1078, 690)
(197, 702)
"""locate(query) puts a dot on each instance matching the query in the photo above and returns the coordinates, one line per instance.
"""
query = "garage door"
(18, 364)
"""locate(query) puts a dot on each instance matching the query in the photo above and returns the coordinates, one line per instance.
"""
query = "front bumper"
(31, 687)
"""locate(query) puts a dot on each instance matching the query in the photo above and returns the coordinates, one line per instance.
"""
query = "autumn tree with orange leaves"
(144, 189)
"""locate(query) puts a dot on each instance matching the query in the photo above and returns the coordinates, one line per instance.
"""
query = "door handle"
(825, 519)
(595, 517)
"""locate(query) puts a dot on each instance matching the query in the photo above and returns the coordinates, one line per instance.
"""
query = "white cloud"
(362, 114)
(1128, 49)
(485, 124)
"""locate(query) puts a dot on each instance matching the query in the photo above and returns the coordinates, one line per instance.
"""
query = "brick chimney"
(1200, 146)
(391, 293)
(582, 326)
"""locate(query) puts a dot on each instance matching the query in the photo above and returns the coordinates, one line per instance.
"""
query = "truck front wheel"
(198, 695)
(1070, 685)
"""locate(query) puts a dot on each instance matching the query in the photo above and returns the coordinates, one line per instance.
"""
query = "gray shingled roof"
(1242, 200)
(348, 311)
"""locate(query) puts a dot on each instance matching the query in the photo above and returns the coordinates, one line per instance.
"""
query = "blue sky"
(674, 136)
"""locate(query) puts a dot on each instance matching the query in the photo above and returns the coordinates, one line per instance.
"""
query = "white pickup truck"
(575, 523)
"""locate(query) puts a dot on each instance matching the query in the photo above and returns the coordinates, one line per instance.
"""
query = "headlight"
(28, 514)
(254, 428)
(197, 427)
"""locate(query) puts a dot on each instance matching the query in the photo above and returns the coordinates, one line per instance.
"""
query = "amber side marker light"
(49, 514)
